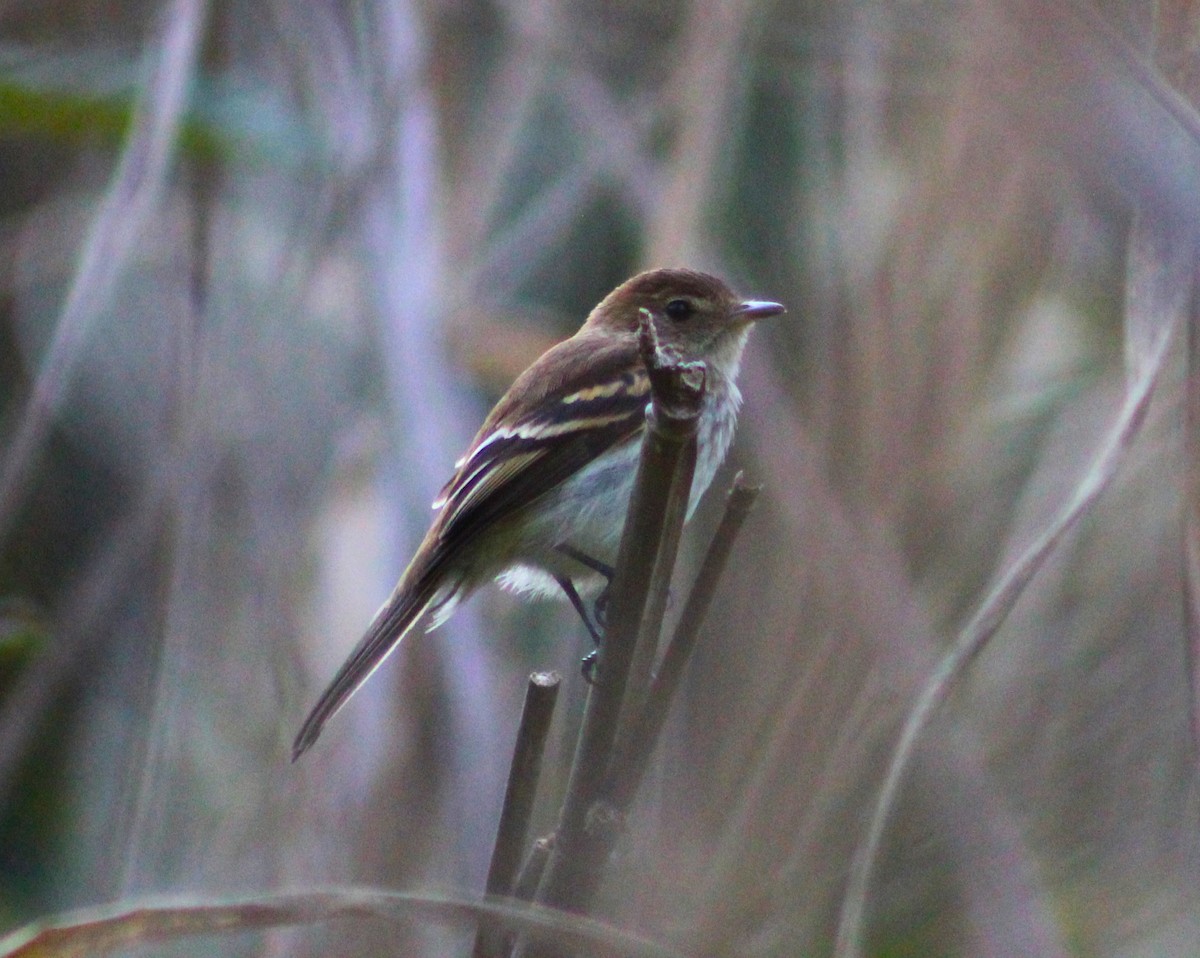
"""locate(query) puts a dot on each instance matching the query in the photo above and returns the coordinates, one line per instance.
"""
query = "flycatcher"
(539, 499)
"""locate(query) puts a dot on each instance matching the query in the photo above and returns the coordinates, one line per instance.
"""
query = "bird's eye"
(679, 309)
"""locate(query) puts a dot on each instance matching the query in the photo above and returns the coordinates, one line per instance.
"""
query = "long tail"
(417, 590)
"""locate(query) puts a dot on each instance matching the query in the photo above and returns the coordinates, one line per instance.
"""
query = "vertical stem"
(1191, 518)
(635, 747)
(677, 390)
(540, 696)
(637, 686)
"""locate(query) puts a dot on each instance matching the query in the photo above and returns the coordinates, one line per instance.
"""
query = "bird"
(538, 500)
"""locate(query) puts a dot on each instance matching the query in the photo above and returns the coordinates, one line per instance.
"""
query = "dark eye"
(679, 309)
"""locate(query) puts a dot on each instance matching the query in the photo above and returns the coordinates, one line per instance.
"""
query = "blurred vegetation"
(264, 268)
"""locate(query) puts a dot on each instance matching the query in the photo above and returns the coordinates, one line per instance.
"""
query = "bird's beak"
(752, 310)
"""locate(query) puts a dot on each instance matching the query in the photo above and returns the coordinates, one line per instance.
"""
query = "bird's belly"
(587, 512)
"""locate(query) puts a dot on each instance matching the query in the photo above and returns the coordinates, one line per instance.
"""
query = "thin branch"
(149, 921)
(646, 646)
(1160, 288)
(540, 696)
(635, 747)
(677, 392)
(1191, 519)
(534, 866)
(979, 631)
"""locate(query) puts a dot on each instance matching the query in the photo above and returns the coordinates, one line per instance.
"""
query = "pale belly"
(587, 512)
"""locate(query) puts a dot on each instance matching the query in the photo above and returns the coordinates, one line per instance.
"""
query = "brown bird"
(539, 499)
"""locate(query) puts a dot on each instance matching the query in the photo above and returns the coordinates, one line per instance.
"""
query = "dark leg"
(586, 560)
(600, 606)
(588, 664)
(568, 588)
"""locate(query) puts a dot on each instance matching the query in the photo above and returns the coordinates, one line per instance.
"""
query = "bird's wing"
(533, 442)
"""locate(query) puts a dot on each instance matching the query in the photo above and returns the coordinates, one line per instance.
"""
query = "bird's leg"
(572, 595)
(584, 559)
(599, 607)
(588, 665)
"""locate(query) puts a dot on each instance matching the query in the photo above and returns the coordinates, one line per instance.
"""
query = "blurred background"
(264, 266)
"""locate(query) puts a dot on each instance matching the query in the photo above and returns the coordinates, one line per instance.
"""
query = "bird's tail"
(418, 589)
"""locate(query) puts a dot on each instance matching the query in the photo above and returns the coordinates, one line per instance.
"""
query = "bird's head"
(695, 313)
